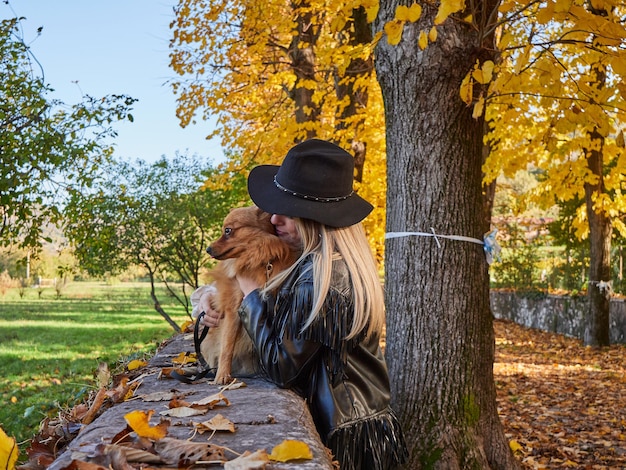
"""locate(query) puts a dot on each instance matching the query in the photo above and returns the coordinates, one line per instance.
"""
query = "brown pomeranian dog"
(248, 246)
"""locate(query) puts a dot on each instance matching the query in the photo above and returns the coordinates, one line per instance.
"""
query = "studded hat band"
(312, 198)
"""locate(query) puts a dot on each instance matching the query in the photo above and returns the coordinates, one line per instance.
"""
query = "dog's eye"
(228, 231)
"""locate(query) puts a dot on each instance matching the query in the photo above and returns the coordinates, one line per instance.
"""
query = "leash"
(203, 369)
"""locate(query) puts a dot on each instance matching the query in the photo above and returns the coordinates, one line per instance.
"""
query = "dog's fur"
(248, 246)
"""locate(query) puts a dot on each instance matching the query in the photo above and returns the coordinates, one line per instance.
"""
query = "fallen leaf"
(249, 461)
(139, 421)
(515, 446)
(291, 449)
(177, 452)
(103, 375)
(80, 465)
(217, 423)
(213, 400)
(184, 358)
(184, 411)
(234, 385)
(136, 364)
(159, 396)
(123, 390)
(134, 455)
(8, 451)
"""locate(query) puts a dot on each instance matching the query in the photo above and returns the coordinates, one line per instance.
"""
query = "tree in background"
(46, 147)
(279, 72)
(155, 216)
(559, 102)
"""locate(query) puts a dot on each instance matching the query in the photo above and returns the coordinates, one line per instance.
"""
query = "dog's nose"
(209, 251)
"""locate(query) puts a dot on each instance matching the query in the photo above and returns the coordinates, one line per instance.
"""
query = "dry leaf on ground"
(561, 403)
(249, 461)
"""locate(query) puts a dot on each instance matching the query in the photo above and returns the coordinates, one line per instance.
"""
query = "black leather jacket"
(345, 383)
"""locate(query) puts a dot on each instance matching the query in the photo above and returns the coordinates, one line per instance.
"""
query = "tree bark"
(302, 54)
(597, 325)
(440, 340)
(351, 116)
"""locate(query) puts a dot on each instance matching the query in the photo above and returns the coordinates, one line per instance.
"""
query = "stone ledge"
(249, 409)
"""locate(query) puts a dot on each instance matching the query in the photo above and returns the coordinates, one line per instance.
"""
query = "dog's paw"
(223, 380)
(222, 376)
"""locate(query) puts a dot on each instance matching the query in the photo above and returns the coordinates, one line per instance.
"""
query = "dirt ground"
(563, 405)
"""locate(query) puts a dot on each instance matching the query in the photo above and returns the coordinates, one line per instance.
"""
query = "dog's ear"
(263, 221)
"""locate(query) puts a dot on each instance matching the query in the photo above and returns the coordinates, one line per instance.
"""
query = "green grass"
(50, 348)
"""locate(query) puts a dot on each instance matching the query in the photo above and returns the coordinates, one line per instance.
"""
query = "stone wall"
(558, 314)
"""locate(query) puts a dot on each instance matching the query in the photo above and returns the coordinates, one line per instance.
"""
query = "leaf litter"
(562, 405)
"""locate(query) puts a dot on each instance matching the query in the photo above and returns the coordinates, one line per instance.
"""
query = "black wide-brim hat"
(313, 182)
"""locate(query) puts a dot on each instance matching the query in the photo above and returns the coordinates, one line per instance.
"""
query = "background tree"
(46, 147)
(155, 216)
(281, 72)
(440, 347)
(558, 102)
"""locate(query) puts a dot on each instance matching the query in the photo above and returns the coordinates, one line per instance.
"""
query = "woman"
(317, 325)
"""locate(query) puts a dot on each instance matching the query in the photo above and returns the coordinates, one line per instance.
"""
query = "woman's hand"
(246, 285)
(211, 316)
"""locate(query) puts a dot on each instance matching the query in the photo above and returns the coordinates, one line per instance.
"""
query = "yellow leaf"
(8, 451)
(619, 140)
(139, 421)
(448, 7)
(415, 12)
(291, 449)
(338, 23)
(402, 13)
(186, 325)
(562, 6)
(478, 108)
(618, 64)
(372, 12)
(377, 37)
(467, 89)
(394, 31)
(487, 70)
(136, 364)
(432, 34)
(185, 358)
(515, 446)
(423, 40)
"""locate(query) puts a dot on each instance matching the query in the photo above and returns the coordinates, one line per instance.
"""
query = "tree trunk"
(440, 340)
(597, 325)
(302, 54)
(350, 115)
(157, 304)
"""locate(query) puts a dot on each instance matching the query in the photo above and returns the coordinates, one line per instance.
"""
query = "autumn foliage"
(276, 73)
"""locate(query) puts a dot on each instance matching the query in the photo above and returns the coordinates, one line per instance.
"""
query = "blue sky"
(114, 47)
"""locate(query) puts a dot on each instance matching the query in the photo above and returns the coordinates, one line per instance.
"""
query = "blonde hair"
(326, 244)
